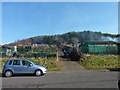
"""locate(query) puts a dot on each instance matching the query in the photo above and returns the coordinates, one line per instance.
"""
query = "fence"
(29, 52)
(37, 52)
(99, 48)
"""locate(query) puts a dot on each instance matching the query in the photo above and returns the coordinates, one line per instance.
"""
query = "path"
(68, 65)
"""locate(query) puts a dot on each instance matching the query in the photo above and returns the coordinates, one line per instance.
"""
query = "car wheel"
(8, 73)
(38, 73)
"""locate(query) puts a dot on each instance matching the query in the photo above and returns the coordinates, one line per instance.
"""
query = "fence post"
(57, 55)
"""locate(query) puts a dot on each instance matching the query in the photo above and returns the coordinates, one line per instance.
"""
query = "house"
(5, 51)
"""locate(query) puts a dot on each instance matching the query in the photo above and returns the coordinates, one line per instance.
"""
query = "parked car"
(22, 66)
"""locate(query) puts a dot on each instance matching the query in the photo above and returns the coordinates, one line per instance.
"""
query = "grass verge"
(100, 61)
(50, 62)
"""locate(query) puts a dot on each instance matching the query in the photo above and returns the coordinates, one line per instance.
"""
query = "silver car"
(22, 66)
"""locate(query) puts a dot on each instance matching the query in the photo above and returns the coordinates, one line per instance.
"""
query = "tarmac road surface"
(64, 79)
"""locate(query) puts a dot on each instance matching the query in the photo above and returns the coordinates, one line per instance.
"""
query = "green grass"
(100, 61)
(50, 62)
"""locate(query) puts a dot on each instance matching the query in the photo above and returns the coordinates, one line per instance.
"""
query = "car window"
(25, 62)
(16, 62)
(10, 62)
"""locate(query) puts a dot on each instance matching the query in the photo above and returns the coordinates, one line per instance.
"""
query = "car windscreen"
(10, 63)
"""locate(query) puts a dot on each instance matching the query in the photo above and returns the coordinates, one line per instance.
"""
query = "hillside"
(70, 37)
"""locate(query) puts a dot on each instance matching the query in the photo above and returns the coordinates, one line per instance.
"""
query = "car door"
(17, 66)
(27, 67)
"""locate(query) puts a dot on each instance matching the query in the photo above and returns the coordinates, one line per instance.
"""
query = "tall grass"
(50, 62)
(100, 61)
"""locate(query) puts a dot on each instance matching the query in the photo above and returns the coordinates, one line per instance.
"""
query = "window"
(16, 62)
(25, 62)
(10, 62)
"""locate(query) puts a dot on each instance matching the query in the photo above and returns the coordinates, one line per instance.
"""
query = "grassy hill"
(70, 37)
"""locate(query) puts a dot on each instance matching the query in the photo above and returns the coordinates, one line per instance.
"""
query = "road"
(64, 79)
(72, 76)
